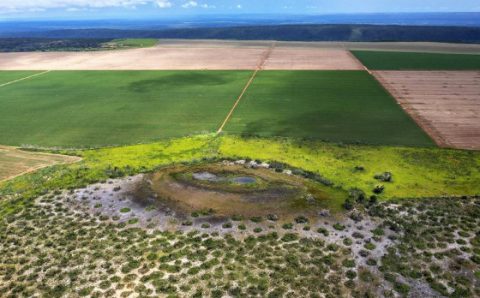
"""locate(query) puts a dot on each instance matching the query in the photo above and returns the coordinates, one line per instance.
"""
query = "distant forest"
(93, 38)
(48, 44)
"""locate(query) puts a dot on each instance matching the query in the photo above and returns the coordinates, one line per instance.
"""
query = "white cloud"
(163, 3)
(28, 5)
(239, 6)
(190, 4)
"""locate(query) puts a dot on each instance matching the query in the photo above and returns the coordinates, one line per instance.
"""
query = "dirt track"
(446, 104)
(185, 56)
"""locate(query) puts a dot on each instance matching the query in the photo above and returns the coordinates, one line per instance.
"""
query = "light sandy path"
(446, 104)
(15, 162)
(259, 67)
(23, 79)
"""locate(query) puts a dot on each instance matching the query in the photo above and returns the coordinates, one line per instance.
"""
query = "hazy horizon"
(128, 9)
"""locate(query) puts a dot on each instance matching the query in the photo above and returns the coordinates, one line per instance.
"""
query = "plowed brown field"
(14, 162)
(446, 104)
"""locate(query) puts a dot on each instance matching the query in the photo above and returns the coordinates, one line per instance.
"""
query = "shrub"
(339, 227)
(379, 189)
(384, 177)
(351, 274)
(289, 237)
(323, 231)
(301, 219)
(401, 288)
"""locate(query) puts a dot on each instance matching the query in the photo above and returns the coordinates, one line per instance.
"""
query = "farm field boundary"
(25, 78)
(259, 67)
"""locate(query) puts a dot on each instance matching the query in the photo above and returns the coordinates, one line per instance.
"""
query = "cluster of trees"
(49, 44)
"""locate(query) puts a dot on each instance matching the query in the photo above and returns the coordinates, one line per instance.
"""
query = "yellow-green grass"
(72, 109)
(338, 106)
(129, 43)
(378, 60)
(417, 172)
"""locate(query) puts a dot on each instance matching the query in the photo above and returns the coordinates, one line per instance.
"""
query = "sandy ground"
(433, 47)
(291, 58)
(186, 56)
(14, 162)
(446, 104)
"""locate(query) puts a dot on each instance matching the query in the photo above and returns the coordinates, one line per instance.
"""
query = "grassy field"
(61, 109)
(377, 60)
(8, 76)
(339, 106)
(99, 108)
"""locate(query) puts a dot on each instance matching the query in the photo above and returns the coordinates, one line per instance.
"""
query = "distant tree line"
(365, 33)
(48, 44)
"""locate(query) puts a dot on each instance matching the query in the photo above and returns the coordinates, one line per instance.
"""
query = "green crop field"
(376, 60)
(339, 106)
(8, 76)
(98, 108)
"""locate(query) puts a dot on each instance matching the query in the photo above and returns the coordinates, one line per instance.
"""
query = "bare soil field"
(446, 104)
(15, 162)
(292, 58)
(186, 56)
(428, 47)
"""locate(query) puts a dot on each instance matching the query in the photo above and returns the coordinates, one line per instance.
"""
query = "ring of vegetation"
(228, 189)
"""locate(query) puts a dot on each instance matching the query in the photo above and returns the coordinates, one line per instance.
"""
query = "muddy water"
(207, 176)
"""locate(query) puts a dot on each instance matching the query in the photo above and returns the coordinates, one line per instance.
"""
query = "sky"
(97, 9)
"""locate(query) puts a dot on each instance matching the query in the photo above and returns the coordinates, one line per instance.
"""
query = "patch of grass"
(377, 60)
(419, 172)
(130, 43)
(338, 106)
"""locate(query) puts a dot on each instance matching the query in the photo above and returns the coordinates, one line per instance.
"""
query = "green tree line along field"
(62, 109)
(378, 60)
(72, 44)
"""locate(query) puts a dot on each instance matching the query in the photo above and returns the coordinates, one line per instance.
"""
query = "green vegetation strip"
(376, 60)
(338, 106)
(417, 172)
(130, 43)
